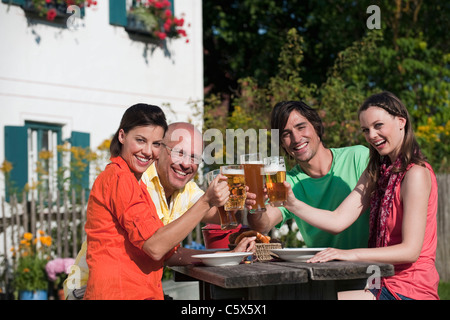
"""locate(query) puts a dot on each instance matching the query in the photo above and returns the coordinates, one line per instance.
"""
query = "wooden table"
(281, 280)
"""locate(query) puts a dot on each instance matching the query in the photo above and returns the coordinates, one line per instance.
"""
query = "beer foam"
(274, 168)
(253, 162)
(233, 171)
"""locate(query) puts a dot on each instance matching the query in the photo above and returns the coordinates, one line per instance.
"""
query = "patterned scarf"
(382, 200)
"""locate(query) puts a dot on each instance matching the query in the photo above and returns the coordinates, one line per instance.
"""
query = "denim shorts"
(387, 295)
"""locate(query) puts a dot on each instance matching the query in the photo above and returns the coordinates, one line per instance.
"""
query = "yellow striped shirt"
(180, 201)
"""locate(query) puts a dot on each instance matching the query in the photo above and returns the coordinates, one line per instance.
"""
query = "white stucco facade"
(84, 79)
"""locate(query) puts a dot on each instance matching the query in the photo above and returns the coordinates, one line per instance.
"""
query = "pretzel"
(252, 233)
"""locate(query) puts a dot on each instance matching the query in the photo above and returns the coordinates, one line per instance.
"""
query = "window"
(32, 150)
(43, 140)
(118, 11)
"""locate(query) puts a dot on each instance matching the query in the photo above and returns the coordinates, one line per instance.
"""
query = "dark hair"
(409, 151)
(282, 110)
(136, 116)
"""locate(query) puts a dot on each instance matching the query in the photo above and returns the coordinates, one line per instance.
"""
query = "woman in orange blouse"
(127, 244)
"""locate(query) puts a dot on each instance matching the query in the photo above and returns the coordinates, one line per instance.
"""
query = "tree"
(408, 56)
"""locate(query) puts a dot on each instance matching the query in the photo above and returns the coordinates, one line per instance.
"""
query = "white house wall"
(85, 79)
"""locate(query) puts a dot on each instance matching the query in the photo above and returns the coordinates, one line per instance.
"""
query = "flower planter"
(154, 21)
(136, 26)
(60, 11)
(33, 295)
(51, 12)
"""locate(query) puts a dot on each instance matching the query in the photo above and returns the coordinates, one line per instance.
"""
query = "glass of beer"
(254, 178)
(236, 184)
(275, 173)
(227, 218)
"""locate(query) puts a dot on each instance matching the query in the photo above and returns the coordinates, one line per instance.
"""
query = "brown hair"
(136, 116)
(409, 150)
(282, 110)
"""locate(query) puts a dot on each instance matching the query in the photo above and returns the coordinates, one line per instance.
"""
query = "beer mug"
(254, 178)
(275, 174)
(227, 218)
(236, 184)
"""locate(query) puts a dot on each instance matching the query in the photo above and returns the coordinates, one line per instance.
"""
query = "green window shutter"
(118, 12)
(17, 2)
(80, 139)
(172, 8)
(16, 152)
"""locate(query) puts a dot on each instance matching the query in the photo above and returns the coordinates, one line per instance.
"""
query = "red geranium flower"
(182, 32)
(179, 22)
(160, 35)
(51, 14)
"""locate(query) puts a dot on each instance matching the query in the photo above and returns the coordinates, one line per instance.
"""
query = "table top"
(281, 272)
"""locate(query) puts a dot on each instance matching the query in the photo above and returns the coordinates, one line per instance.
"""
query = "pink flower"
(167, 24)
(178, 22)
(91, 2)
(51, 14)
(162, 35)
(182, 32)
(58, 265)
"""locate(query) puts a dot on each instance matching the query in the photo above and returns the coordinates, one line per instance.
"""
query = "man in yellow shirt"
(169, 183)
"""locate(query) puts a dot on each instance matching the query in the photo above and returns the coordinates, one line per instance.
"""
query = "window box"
(51, 10)
(153, 19)
(55, 12)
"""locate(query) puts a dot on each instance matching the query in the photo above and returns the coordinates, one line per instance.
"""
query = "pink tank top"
(418, 280)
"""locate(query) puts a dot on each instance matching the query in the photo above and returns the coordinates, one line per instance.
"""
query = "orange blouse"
(120, 217)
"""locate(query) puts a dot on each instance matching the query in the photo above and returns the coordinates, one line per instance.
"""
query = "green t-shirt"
(327, 193)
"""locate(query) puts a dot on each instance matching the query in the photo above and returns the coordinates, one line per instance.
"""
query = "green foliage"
(289, 235)
(418, 75)
(34, 276)
(444, 290)
(395, 59)
(435, 143)
(157, 19)
(32, 255)
(253, 104)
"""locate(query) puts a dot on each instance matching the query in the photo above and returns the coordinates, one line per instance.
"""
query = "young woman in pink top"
(400, 188)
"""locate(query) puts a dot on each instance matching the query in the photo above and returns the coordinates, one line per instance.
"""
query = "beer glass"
(254, 178)
(275, 174)
(236, 184)
(227, 218)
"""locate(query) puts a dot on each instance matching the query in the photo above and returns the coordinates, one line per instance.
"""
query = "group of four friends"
(368, 204)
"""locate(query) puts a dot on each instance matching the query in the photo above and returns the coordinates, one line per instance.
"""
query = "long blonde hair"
(409, 150)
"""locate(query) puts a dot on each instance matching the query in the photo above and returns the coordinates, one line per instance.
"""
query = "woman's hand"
(291, 199)
(218, 192)
(330, 254)
(247, 244)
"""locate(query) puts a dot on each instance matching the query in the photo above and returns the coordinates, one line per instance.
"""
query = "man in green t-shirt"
(323, 177)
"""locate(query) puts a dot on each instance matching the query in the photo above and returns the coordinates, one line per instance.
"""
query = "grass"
(444, 290)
